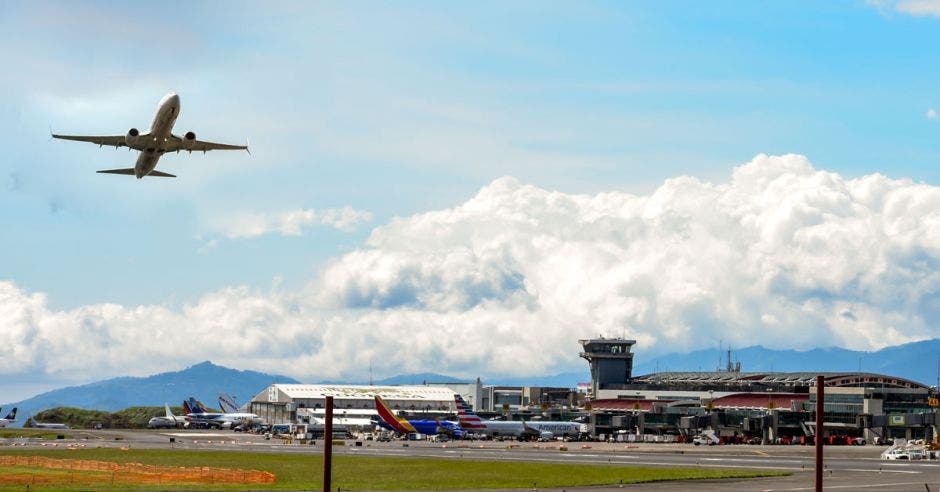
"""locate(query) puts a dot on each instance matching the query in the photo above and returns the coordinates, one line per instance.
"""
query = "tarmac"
(845, 467)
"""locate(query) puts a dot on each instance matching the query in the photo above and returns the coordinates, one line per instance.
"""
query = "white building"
(279, 403)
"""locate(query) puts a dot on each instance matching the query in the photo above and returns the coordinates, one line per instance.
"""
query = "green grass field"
(10, 433)
(380, 473)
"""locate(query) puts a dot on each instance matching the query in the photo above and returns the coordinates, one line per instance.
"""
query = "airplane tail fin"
(11, 416)
(227, 403)
(196, 406)
(186, 408)
(466, 416)
(388, 416)
(169, 414)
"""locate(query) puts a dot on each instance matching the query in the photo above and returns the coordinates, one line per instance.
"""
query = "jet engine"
(189, 139)
(132, 137)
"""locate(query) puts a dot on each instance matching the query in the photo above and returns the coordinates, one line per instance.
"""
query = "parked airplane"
(198, 415)
(168, 421)
(9, 419)
(193, 406)
(543, 430)
(228, 403)
(49, 425)
(549, 430)
(422, 426)
(471, 422)
(155, 142)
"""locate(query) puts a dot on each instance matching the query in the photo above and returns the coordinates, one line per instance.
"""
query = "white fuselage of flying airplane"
(158, 136)
(155, 142)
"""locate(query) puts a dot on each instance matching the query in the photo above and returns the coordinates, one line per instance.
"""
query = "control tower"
(611, 362)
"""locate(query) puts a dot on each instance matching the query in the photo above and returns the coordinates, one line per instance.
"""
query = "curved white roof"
(360, 392)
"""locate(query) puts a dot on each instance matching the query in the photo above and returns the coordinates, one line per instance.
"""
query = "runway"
(846, 467)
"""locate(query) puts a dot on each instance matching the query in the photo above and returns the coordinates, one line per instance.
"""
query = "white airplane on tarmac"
(471, 422)
(155, 142)
(168, 420)
(9, 419)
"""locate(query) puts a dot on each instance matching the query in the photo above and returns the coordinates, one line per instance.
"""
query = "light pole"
(636, 414)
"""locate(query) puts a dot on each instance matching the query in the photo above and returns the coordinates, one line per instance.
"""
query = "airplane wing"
(175, 143)
(109, 140)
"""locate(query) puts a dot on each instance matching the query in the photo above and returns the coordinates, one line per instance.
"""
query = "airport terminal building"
(770, 406)
(355, 404)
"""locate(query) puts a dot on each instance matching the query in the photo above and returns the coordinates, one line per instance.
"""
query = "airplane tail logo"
(465, 415)
(194, 406)
(227, 403)
(11, 416)
(397, 423)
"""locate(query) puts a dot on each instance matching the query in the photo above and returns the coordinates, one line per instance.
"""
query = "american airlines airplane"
(471, 422)
(155, 142)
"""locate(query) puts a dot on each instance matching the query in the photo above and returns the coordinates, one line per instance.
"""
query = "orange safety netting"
(109, 471)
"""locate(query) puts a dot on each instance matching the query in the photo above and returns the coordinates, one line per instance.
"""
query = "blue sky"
(394, 111)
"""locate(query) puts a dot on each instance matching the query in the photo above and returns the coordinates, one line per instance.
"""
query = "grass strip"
(304, 471)
(10, 433)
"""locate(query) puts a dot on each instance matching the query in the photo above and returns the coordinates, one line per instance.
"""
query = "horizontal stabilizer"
(162, 175)
(131, 172)
(118, 171)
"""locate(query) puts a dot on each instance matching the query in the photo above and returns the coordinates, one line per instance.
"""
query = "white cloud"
(289, 223)
(782, 254)
(917, 8)
(931, 114)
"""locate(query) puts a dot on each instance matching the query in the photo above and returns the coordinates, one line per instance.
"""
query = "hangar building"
(282, 402)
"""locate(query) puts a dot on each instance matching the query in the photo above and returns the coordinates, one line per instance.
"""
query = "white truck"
(706, 438)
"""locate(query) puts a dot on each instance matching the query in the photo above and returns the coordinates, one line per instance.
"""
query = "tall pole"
(328, 444)
(820, 409)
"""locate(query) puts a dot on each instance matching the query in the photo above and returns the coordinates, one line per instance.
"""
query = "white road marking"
(863, 486)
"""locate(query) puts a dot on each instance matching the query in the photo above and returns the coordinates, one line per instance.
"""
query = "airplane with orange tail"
(390, 420)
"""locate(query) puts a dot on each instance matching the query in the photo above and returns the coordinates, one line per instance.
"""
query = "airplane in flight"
(168, 421)
(423, 426)
(155, 142)
(471, 422)
(9, 419)
(198, 414)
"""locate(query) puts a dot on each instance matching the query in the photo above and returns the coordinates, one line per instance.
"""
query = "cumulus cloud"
(782, 254)
(289, 223)
(931, 114)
